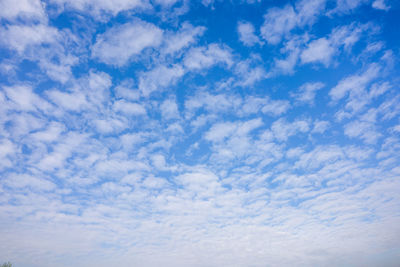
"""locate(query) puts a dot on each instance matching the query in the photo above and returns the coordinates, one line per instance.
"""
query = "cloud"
(154, 138)
(200, 184)
(320, 126)
(252, 105)
(126, 90)
(354, 84)
(318, 50)
(62, 151)
(363, 129)
(159, 78)
(50, 134)
(205, 57)
(20, 37)
(187, 35)
(70, 101)
(320, 156)
(120, 44)
(380, 4)
(249, 72)
(220, 131)
(114, 125)
(26, 9)
(167, 3)
(306, 93)
(23, 98)
(129, 108)
(346, 6)
(324, 49)
(246, 34)
(211, 103)
(7, 149)
(19, 181)
(279, 22)
(101, 8)
(169, 109)
(282, 129)
(276, 107)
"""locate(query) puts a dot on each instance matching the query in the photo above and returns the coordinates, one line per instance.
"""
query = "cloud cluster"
(174, 133)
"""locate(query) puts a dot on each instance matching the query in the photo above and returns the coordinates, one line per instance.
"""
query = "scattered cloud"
(119, 44)
(157, 132)
(247, 34)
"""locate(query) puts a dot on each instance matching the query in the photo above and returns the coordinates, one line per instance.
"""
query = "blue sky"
(199, 133)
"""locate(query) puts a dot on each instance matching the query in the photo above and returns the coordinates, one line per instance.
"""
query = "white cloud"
(354, 84)
(26, 180)
(279, 22)
(89, 92)
(187, 35)
(309, 10)
(320, 126)
(114, 188)
(27, 9)
(380, 4)
(19, 37)
(97, 87)
(113, 168)
(364, 130)
(318, 50)
(159, 162)
(306, 93)
(159, 78)
(345, 6)
(126, 90)
(200, 184)
(348, 35)
(220, 131)
(120, 44)
(205, 57)
(322, 155)
(61, 152)
(129, 108)
(23, 123)
(25, 99)
(70, 101)
(232, 140)
(109, 125)
(324, 49)
(52, 133)
(246, 34)
(276, 107)
(130, 140)
(252, 105)
(292, 49)
(282, 129)
(249, 71)
(207, 2)
(211, 103)
(99, 8)
(169, 109)
(7, 148)
(155, 183)
(150, 159)
(167, 3)
(378, 89)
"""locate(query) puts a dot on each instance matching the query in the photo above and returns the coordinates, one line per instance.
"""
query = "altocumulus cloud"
(199, 133)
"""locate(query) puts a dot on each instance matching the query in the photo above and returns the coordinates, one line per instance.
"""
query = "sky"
(203, 133)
